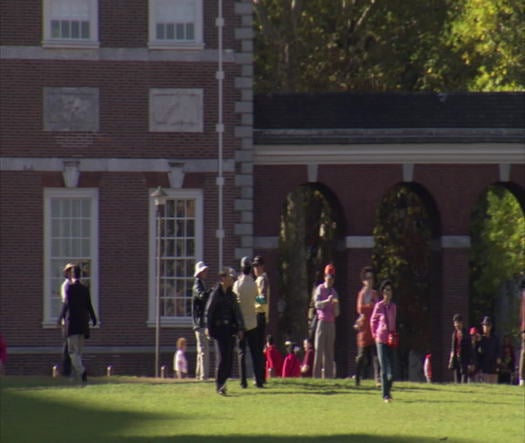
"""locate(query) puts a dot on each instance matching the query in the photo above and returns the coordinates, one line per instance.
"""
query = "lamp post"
(159, 198)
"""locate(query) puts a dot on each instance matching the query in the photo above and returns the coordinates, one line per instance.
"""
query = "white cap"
(245, 262)
(199, 267)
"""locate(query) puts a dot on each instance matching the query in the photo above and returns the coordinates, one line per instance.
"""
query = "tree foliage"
(402, 253)
(378, 45)
(307, 242)
(498, 247)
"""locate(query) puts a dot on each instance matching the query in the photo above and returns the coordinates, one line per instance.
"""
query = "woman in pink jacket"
(383, 324)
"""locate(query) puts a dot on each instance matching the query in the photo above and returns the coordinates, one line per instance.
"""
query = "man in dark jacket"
(200, 295)
(76, 311)
(460, 350)
(224, 320)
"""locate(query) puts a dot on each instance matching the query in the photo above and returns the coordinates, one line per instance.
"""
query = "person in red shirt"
(292, 365)
(307, 365)
(274, 359)
(366, 349)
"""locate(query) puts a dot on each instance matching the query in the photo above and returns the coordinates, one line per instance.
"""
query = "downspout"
(220, 132)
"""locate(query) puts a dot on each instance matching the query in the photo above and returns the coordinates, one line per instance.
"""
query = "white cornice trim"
(113, 164)
(367, 242)
(114, 54)
(425, 153)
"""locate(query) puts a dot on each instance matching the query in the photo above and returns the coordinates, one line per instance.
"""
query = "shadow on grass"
(341, 438)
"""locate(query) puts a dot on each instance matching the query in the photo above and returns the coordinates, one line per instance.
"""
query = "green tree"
(402, 253)
(498, 247)
(307, 242)
(378, 45)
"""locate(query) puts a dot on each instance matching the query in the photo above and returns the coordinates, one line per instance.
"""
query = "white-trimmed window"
(175, 23)
(181, 244)
(70, 23)
(70, 235)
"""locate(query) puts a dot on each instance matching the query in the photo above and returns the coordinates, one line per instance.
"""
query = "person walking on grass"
(77, 310)
(246, 291)
(224, 321)
(66, 360)
(383, 324)
(199, 298)
(366, 349)
(327, 307)
(460, 351)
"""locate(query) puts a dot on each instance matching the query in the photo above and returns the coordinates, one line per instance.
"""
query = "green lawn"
(136, 410)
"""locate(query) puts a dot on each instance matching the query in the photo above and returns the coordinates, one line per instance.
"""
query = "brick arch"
(306, 264)
(418, 298)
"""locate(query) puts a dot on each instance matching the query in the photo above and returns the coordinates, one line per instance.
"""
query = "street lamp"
(159, 198)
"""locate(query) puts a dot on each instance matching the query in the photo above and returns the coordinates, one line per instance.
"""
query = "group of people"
(291, 365)
(375, 326)
(235, 313)
(236, 307)
(479, 356)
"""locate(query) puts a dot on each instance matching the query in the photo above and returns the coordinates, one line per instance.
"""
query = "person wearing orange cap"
(327, 306)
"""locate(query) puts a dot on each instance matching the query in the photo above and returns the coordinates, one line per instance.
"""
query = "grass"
(139, 410)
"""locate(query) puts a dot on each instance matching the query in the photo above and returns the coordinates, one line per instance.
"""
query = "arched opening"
(407, 223)
(497, 259)
(311, 235)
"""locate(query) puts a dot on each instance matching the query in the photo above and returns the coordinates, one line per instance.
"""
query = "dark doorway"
(407, 222)
(311, 236)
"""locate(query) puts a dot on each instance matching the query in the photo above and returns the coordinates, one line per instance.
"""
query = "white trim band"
(113, 164)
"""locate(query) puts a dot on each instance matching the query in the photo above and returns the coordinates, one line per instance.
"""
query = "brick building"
(103, 101)
(355, 148)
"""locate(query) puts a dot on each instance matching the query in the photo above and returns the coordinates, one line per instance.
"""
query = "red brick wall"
(124, 97)
(360, 188)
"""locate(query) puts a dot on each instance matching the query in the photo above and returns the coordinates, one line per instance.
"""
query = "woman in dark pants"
(383, 323)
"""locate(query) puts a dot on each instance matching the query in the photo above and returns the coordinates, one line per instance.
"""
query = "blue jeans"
(385, 354)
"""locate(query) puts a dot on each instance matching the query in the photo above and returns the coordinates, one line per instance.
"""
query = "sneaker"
(387, 399)
(84, 377)
(222, 391)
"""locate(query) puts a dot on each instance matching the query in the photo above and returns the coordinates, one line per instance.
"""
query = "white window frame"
(49, 41)
(197, 195)
(50, 318)
(196, 44)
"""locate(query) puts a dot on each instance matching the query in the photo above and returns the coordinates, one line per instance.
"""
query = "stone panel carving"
(176, 110)
(71, 109)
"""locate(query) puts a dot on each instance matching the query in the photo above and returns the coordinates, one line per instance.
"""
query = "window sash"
(176, 22)
(180, 247)
(70, 21)
(70, 221)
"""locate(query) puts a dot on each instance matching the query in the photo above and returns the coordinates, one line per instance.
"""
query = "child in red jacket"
(292, 365)
(274, 359)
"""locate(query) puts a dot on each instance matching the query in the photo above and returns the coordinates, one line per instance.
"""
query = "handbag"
(393, 339)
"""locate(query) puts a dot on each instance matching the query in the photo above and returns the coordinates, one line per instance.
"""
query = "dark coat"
(223, 315)
(199, 299)
(489, 352)
(77, 310)
(465, 349)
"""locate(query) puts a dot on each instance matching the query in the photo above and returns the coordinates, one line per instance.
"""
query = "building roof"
(382, 117)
